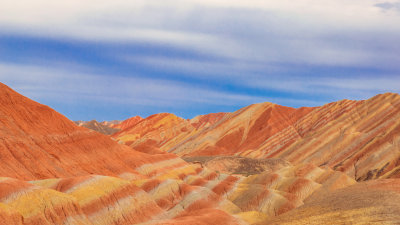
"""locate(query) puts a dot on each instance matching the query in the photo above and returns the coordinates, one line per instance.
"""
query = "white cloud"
(257, 30)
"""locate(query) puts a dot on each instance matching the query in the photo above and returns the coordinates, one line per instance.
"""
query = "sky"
(106, 60)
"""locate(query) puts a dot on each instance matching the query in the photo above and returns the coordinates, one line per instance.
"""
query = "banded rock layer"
(55, 172)
(360, 138)
(179, 195)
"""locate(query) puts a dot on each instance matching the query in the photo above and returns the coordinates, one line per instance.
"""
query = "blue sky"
(110, 60)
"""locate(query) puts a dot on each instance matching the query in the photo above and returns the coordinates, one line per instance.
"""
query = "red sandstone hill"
(55, 172)
(78, 176)
(37, 142)
(361, 138)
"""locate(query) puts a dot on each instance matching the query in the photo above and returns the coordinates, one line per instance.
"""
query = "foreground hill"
(361, 138)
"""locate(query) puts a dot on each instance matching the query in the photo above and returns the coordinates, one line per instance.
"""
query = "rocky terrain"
(263, 164)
